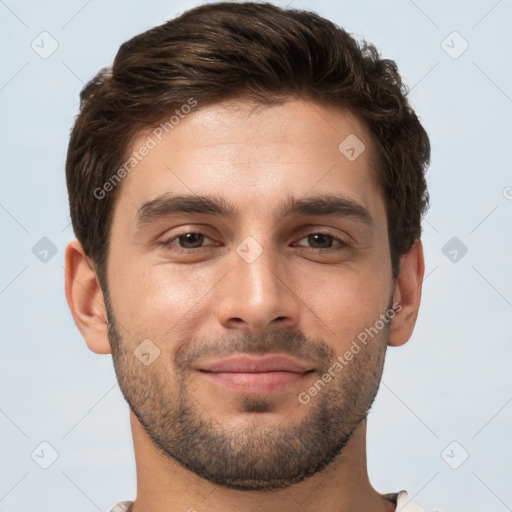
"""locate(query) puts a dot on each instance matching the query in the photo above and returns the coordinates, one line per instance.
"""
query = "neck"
(165, 485)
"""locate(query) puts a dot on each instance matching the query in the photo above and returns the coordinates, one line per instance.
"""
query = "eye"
(186, 241)
(324, 241)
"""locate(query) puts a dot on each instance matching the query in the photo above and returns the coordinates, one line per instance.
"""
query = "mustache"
(294, 344)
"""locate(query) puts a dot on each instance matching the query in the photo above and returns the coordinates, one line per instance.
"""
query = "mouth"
(256, 374)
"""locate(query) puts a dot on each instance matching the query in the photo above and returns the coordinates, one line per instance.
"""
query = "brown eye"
(323, 241)
(191, 240)
(187, 241)
(320, 240)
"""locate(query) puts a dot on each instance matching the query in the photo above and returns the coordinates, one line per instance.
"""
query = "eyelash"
(340, 245)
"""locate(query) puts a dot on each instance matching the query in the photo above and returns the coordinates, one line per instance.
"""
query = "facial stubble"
(262, 455)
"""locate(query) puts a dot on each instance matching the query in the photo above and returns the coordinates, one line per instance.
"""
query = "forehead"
(254, 154)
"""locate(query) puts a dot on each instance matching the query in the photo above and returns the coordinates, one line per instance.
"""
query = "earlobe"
(85, 299)
(407, 293)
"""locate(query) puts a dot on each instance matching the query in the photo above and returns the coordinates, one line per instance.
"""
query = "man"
(246, 186)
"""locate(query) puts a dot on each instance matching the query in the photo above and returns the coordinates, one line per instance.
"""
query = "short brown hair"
(258, 51)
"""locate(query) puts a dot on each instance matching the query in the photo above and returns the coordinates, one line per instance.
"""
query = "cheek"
(345, 301)
(158, 300)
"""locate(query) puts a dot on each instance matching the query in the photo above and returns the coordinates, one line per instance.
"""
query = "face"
(250, 253)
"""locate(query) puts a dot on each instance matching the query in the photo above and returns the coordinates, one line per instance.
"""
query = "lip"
(246, 363)
(256, 374)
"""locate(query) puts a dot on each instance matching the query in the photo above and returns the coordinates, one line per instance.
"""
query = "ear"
(407, 293)
(85, 299)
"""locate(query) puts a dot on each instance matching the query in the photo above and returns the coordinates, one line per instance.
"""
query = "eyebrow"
(167, 204)
(323, 204)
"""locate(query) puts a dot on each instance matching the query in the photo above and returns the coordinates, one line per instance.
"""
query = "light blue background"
(451, 382)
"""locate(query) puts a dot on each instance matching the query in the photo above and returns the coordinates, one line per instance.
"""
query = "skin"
(298, 297)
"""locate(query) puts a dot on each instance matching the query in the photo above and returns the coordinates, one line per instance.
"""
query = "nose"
(258, 295)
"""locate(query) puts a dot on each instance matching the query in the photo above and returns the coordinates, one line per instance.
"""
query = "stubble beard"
(262, 455)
